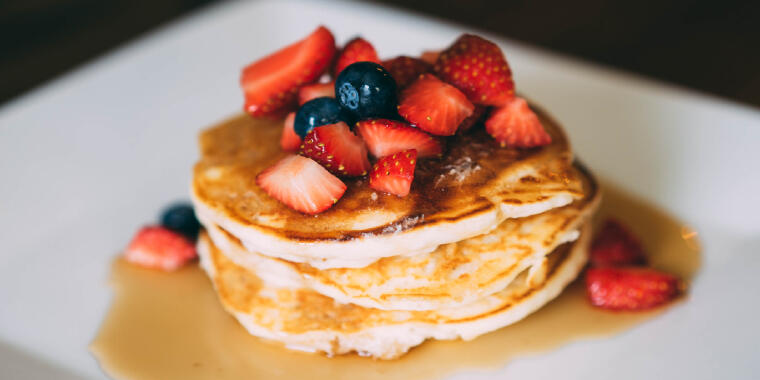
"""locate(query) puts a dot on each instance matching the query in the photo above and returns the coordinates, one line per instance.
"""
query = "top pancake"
(469, 191)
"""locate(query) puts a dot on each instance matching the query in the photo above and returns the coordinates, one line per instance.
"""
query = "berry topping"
(478, 68)
(515, 125)
(405, 70)
(430, 56)
(434, 106)
(385, 137)
(271, 84)
(290, 141)
(394, 174)
(159, 248)
(630, 288)
(316, 90)
(366, 90)
(301, 184)
(356, 50)
(336, 148)
(181, 218)
(316, 112)
(615, 246)
(477, 116)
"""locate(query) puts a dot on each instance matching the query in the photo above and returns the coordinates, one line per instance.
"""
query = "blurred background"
(711, 46)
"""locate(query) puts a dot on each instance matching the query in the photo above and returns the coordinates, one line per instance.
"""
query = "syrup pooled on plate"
(171, 325)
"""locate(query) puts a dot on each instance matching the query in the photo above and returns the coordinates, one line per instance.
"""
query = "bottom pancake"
(303, 319)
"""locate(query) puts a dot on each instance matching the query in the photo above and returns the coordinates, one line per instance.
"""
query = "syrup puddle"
(171, 326)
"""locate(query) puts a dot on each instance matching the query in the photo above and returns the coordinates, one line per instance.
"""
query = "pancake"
(469, 191)
(452, 275)
(306, 320)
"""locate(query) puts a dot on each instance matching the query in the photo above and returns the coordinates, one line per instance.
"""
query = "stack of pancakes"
(486, 236)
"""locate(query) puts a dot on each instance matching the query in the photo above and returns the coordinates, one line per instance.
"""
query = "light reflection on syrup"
(171, 326)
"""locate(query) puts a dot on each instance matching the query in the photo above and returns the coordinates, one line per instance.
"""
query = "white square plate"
(91, 156)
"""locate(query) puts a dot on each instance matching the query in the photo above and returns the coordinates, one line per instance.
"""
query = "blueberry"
(319, 111)
(180, 217)
(366, 90)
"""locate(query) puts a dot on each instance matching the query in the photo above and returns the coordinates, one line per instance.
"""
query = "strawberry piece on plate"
(516, 125)
(356, 50)
(616, 246)
(394, 174)
(159, 248)
(478, 68)
(405, 70)
(301, 184)
(630, 288)
(434, 106)
(385, 137)
(430, 56)
(271, 84)
(336, 148)
(290, 141)
(316, 90)
(477, 116)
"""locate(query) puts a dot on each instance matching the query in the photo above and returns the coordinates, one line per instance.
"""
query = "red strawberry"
(615, 246)
(473, 119)
(478, 68)
(515, 125)
(430, 56)
(159, 248)
(301, 184)
(316, 90)
(394, 174)
(385, 137)
(290, 141)
(271, 84)
(434, 106)
(356, 50)
(337, 149)
(630, 288)
(405, 70)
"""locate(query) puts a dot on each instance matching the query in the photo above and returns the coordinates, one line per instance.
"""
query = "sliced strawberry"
(271, 84)
(476, 117)
(434, 106)
(405, 70)
(630, 288)
(290, 141)
(616, 246)
(394, 174)
(316, 90)
(430, 56)
(356, 50)
(515, 125)
(478, 68)
(159, 248)
(337, 149)
(385, 137)
(301, 184)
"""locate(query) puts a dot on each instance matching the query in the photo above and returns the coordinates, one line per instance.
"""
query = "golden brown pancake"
(469, 191)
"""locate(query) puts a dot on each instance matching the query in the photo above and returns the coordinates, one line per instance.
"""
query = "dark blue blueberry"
(180, 218)
(316, 112)
(366, 90)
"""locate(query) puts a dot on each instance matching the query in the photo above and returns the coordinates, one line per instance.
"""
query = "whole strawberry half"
(394, 174)
(434, 106)
(630, 288)
(271, 84)
(515, 125)
(289, 141)
(336, 148)
(315, 90)
(301, 184)
(405, 70)
(616, 246)
(159, 248)
(356, 50)
(478, 68)
(385, 137)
